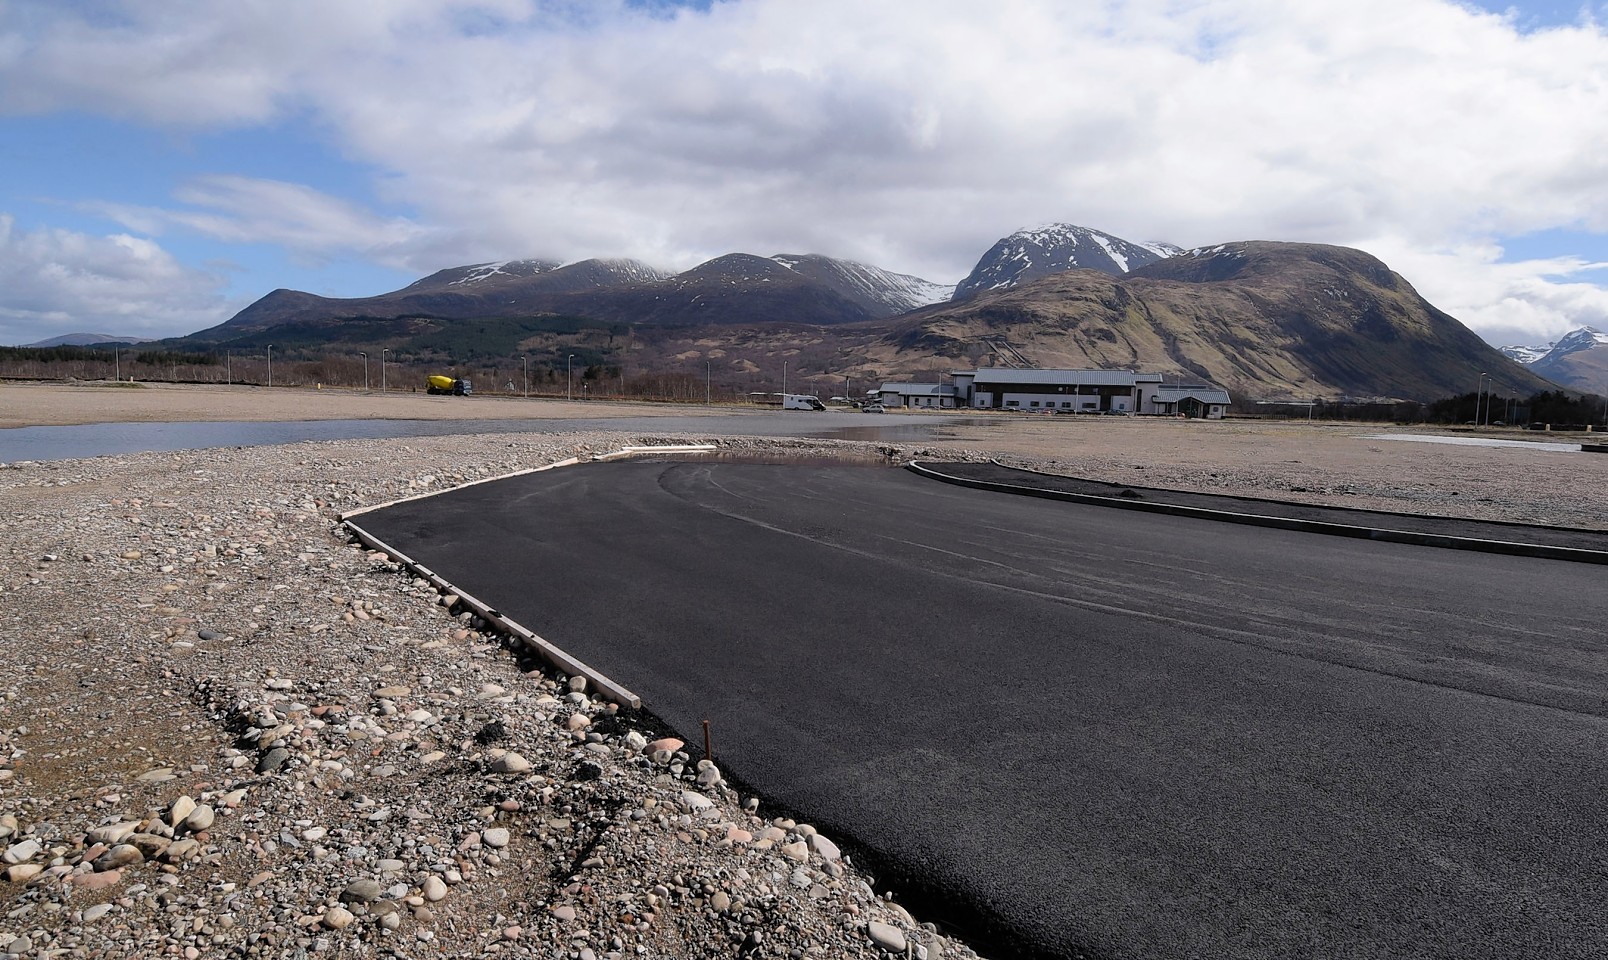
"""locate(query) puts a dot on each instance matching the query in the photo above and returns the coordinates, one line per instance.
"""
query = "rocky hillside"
(480, 290)
(1030, 254)
(1268, 320)
(1578, 359)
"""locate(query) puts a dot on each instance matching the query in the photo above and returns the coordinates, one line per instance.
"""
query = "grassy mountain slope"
(1263, 319)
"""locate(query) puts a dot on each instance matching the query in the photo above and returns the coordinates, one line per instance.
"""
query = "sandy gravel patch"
(54, 404)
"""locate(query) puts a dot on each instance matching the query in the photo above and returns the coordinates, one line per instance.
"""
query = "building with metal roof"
(1060, 391)
(1189, 400)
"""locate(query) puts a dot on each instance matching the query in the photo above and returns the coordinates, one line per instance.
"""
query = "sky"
(162, 165)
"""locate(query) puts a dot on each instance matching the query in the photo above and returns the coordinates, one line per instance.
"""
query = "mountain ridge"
(1578, 359)
(1029, 254)
(804, 288)
(1261, 318)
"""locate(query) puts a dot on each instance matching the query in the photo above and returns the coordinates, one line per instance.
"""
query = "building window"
(1013, 403)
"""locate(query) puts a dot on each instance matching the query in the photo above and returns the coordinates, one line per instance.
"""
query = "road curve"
(1103, 733)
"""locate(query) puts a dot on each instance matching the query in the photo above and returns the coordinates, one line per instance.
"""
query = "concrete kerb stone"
(570, 461)
(522, 635)
(1541, 551)
(667, 448)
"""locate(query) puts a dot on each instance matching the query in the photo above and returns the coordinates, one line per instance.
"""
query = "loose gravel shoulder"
(226, 731)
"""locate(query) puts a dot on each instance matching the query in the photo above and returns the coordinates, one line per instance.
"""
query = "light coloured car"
(873, 408)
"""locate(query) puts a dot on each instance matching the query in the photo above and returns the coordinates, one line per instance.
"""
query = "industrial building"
(1060, 391)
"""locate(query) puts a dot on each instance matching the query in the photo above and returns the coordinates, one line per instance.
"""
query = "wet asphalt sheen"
(1099, 732)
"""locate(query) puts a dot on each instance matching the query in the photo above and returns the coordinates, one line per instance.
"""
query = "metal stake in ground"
(708, 753)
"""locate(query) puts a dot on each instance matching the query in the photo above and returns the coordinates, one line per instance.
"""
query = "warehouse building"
(1059, 391)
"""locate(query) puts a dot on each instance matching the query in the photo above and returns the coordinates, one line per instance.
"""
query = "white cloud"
(907, 134)
(247, 210)
(1526, 302)
(57, 282)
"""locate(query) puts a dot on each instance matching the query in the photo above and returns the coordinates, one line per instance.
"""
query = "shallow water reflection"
(103, 439)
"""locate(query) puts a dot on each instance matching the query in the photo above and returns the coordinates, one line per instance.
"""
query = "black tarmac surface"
(1110, 734)
(1574, 539)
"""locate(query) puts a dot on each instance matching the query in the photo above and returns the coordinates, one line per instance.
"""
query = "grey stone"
(273, 760)
(200, 818)
(23, 852)
(826, 849)
(886, 936)
(362, 891)
(119, 856)
(510, 762)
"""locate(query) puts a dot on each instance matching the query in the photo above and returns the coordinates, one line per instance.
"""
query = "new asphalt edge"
(523, 637)
(1541, 551)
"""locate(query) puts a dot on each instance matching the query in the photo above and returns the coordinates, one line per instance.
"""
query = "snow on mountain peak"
(1580, 338)
(1039, 251)
(1524, 354)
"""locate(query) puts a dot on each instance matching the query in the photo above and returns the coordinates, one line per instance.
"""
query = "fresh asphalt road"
(1104, 733)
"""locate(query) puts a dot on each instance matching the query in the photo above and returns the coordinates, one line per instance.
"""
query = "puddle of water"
(1479, 442)
(103, 439)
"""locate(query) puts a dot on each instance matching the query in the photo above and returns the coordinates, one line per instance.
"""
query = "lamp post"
(709, 379)
(117, 365)
(383, 352)
(364, 355)
(270, 364)
(228, 367)
(569, 391)
(784, 381)
(527, 376)
(1479, 396)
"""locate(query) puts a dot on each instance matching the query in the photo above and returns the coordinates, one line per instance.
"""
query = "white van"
(799, 401)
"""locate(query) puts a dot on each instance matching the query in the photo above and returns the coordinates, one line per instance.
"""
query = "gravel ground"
(227, 732)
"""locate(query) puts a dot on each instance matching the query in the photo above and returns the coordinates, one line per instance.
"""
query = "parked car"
(874, 408)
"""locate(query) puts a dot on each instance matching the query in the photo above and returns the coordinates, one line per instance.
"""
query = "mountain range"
(85, 340)
(735, 288)
(1578, 359)
(1264, 319)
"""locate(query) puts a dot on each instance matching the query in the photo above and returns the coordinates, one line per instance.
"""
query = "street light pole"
(364, 355)
(527, 376)
(383, 352)
(270, 364)
(1479, 395)
(228, 367)
(569, 391)
(117, 365)
(784, 381)
(709, 379)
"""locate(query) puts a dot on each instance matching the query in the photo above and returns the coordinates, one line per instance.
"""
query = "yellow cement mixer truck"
(457, 386)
